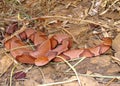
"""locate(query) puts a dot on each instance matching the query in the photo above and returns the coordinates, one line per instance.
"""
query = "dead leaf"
(5, 63)
(20, 75)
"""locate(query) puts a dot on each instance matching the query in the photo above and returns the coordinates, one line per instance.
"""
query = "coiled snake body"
(46, 49)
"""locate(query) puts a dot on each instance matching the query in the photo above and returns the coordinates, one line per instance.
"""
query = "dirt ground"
(86, 21)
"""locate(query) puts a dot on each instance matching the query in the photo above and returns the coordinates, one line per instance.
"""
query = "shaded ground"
(85, 21)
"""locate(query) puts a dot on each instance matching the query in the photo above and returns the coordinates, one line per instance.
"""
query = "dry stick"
(71, 60)
(11, 63)
(23, 28)
(71, 68)
(19, 2)
(12, 71)
(76, 64)
(72, 20)
(67, 81)
(11, 74)
(16, 33)
(116, 22)
(43, 75)
(26, 70)
(108, 84)
(57, 83)
(92, 5)
(105, 34)
(6, 50)
(99, 76)
(115, 58)
(31, 46)
(108, 7)
(71, 35)
(11, 58)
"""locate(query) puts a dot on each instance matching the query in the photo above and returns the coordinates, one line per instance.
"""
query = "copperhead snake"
(46, 49)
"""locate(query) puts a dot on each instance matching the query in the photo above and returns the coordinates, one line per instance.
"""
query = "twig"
(108, 7)
(71, 35)
(76, 64)
(11, 58)
(108, 84)
(71, 60)
(16, 33)
(115, 58)
(57, 83)
(28, 69)
(67, 81)
(72, 20)
(105, 34)
(71, 68)
(42, 74)
(18, 1)
(11, 74)
(6, 50)
(116, 23)
(98, 76)
(91, 7)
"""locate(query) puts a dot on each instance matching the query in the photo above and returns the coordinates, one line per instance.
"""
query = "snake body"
(46, 49)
